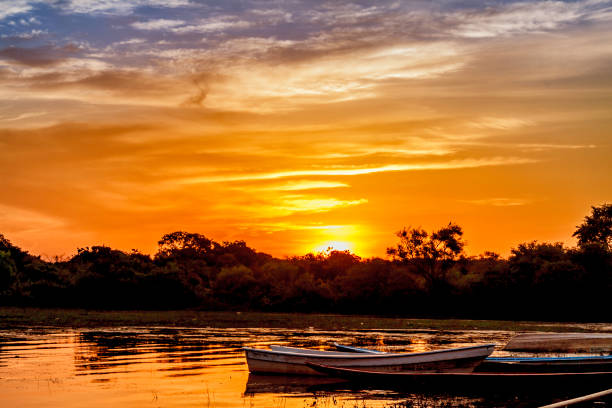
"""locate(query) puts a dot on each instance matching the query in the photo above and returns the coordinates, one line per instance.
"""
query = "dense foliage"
(428, 275)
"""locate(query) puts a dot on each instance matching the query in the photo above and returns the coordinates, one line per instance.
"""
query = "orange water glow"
(206, 367)
(164, 367)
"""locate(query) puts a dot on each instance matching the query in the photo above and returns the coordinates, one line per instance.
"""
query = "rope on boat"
(579, 399)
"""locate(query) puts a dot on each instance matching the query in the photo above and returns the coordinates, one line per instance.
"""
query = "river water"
(205, 367)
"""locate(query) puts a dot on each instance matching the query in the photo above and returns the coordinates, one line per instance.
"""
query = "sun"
(334, 246)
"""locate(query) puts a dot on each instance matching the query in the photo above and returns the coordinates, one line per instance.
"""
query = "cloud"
(22, 116)
(19, 220)
(160, 24)
(11, 7)
(25, 36)
(286, 226)
(328, 78)
(208, 25)
(518, 18)
(500, 123)
(298, 185)
(299, 203)
(498, 202)
(105, 7)
(130, 41)
(40, 56)
(275, 207)
(335, 53)
(274, 16)
(29, 21)
(117, 7)
(357, 171)
(553, 146)
(88, 79)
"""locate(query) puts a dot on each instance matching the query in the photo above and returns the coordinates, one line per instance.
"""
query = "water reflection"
(427, 394)
(185, 367)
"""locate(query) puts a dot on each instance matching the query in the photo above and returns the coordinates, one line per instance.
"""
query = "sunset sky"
(295, 125)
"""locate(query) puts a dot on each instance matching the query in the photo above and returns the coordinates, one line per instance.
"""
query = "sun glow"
(334, 246)
(336, 238)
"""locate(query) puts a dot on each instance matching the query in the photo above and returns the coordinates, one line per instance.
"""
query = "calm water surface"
(205, 367)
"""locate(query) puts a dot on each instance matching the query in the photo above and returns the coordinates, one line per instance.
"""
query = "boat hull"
(547, 364)
(295, 363)
(477, 379)
(351, 349)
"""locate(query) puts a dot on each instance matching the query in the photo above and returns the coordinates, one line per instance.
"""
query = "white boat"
(311, 351)
(283, 360)
(351, 349)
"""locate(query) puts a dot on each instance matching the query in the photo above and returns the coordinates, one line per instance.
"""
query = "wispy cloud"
(498, 202)
(356, 171)
(299, 185)
(286, 226)
(220, 23)
(22, 116)
(520, 18)
(500, 123)
(40, 56)
(11, 7)
(298, 203)
(553, 146)
(29, 35)
(159, 24)
(117, 7)
(19, 220)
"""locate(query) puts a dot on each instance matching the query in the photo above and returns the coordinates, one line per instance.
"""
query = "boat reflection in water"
(322, 391)
(328, 392)
(291, 384)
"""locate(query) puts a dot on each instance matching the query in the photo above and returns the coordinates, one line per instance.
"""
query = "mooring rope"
(579, 399)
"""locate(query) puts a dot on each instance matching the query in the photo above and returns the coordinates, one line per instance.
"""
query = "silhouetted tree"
(238, 253)
(429, 272)
(181, 244)
(235, 285)
(431, 254)
(8, 273)
(528, 259)
(8, 268)
(596, 228)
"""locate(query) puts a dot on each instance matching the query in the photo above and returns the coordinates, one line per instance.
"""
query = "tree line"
(426, 274)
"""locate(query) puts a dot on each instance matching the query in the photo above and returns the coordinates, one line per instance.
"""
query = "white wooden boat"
(311, 351)
(460, 360)
(351, 349)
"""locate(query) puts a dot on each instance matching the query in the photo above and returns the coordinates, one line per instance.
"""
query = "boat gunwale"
(352, 349)
(547, 359)
(365, 356)
(275, 348)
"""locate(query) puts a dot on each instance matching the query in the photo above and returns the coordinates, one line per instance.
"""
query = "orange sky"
(295, 125)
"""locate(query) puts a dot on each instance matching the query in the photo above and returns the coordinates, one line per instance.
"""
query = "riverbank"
(19, 317)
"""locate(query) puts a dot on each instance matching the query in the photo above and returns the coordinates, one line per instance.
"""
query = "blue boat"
(572, 364)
